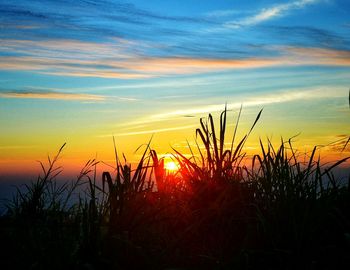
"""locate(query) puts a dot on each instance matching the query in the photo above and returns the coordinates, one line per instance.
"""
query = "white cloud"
(269, 13)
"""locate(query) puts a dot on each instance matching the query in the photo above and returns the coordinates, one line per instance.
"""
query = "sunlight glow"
(171, 166)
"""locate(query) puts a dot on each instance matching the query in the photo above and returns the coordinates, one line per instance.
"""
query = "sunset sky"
(82, 71)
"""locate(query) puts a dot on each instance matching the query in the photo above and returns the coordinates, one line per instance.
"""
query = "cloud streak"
(52, 95)
(61, 95)
(151, 131)
(270, 13)
(250, 101)
(120, 59)
(117, 40)
(86, 19)
(316, 56)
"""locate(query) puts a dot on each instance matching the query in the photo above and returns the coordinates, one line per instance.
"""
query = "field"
(218, 209)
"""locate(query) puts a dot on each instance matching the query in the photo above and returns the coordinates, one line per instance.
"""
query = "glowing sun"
(171, 166)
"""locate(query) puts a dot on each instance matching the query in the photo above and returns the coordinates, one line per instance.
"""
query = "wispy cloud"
(310, 36)
(183, 65)
(72, 57)
(224, 13)
(60, 94)
(120, 60)
(131, 69)
(151, 131)
(315, 56)
(250, 101)
(269, 13)
(86, 30)
(70, 48)
(89, 19)
(52, 95)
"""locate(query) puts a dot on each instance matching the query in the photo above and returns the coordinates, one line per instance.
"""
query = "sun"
(171, 166)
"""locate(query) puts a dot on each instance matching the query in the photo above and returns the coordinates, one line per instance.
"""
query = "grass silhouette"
(215, 212)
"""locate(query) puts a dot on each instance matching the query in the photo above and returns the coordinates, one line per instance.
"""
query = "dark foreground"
(214, 213)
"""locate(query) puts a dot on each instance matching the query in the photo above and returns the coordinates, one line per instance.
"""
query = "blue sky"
(81, 71)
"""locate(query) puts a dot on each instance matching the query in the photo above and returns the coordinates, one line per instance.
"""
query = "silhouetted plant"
(216, 212)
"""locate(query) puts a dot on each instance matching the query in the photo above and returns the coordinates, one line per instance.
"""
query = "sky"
(81, 72)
